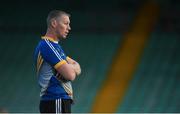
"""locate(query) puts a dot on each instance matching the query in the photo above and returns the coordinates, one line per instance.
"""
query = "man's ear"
(53, 23)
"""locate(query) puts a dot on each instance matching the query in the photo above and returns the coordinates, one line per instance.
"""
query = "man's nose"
(69, 28)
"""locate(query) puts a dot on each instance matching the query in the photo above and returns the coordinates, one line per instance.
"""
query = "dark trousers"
(55, 106)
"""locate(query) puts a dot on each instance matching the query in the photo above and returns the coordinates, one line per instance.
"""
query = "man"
(54, 69)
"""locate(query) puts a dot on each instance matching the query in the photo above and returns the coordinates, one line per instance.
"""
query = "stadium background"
(128, 51)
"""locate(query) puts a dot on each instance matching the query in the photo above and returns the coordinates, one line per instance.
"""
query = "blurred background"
(129, 52)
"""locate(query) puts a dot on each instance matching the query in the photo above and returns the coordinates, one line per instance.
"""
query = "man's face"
(62, 26)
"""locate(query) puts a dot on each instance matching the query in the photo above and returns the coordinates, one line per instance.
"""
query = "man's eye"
(66, 23)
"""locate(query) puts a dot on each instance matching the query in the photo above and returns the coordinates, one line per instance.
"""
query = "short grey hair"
(54, 14)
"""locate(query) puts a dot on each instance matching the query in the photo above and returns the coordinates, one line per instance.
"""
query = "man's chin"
(64, 37)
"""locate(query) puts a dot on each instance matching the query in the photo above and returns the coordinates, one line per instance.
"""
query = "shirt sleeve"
(68, 58)
(51, 55)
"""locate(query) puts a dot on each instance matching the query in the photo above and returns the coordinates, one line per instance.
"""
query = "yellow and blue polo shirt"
(48, 56)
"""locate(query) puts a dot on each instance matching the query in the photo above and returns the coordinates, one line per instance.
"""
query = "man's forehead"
(64, 17)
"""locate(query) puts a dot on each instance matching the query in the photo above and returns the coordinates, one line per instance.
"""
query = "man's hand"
(75, 65)
(77, 68)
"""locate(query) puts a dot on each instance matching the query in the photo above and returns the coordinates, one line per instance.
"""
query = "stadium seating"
(19, 90)
(155, 86)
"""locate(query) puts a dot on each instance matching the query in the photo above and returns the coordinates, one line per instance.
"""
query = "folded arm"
(75, 65)
(66, 70)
